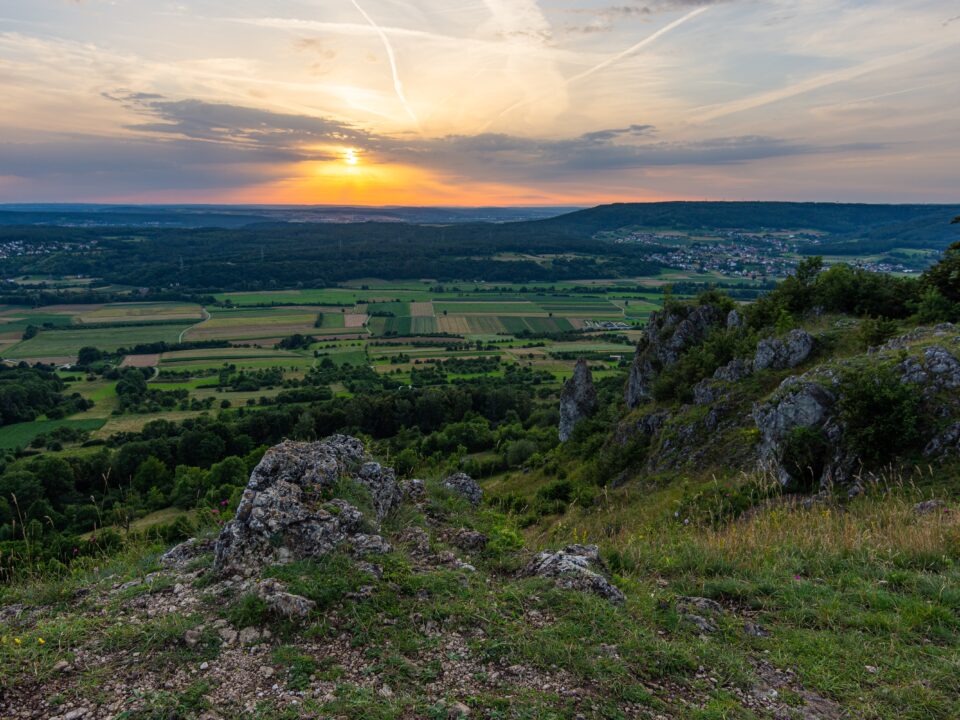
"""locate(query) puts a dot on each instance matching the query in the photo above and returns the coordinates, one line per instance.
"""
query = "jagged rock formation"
(464, 485)
(810, 401)
(578, 400)
(734, 371)
(801, 402)
(576, 567)
(668, 334)
(286, 512)
(780, 354)
(937, 370)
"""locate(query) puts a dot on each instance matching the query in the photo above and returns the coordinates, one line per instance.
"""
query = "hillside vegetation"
(755, 518)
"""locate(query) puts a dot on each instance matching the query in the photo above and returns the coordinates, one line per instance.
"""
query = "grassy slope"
(861, 603)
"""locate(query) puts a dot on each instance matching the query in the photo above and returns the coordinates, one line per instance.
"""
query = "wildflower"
(797, 577)
(41, 641)
(16, 641)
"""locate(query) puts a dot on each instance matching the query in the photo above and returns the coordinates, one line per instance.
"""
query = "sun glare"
(350, 156)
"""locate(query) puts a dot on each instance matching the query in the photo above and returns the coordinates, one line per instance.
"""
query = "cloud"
(184, 144)
(607, 18)
(392, 57)
(817, 82)
(241, 127)
(606, 135)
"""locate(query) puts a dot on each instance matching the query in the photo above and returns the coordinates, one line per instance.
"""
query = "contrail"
(815, 83)
(639, 46)
(397, 85)
(609, 61)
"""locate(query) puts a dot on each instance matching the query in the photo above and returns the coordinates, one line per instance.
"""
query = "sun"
(350, 156)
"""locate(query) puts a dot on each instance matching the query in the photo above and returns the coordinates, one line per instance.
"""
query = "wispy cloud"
(391, 55)
(816, 82)
(607, 62)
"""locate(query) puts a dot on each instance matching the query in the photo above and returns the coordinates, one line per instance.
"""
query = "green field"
(410, 315)
(21, 434)
(66, 343)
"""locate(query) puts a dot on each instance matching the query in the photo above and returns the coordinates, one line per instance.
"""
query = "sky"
(478, 102)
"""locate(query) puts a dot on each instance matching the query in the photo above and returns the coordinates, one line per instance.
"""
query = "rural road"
(206, 316)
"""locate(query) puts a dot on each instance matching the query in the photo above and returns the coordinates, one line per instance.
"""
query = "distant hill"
(238, 216)
(827, 217)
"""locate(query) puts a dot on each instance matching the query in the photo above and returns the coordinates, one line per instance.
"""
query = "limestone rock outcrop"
(578, 400)
(288, 511)
(668, 334)
(576, 567)
(807, 402)
(810, 402)
(936, 370)
(783, 353)
(464, 485)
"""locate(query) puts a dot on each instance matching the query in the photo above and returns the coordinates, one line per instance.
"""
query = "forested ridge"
(265, 255)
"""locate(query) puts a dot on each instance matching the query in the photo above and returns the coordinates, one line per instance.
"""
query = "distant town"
(737, 253)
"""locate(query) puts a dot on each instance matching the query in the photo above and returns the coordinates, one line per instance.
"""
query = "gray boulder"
(381, 483)
(578, 399)
(783, 353)
(801, 402)
(947, 441)
(734, 319)
(464, 485)
(274, 594)
(282, 514)
(576, 567)
(937, 370)
(734, 371)
(706, 392)
(668, 335)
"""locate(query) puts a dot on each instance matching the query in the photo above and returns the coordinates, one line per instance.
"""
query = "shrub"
(804, 455)
(876, 331)
(880, 414)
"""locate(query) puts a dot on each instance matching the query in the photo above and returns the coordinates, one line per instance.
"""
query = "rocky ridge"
(809, 402)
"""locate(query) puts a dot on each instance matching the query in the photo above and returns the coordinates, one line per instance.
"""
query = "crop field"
(66, 343)
(21, 434)
(141, 361)
(263, 324)
(371, 323)
(226, 354)
(493, 307)
(138, 312)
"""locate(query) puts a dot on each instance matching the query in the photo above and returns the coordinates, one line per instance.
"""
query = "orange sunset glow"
(493, 102)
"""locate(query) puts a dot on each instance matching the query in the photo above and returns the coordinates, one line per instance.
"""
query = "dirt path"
(206, 316)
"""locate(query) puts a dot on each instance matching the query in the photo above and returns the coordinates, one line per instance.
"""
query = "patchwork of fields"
(400, 329)
(261, 319)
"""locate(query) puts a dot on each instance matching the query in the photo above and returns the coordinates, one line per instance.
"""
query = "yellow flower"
(17, 640)
(41, 641)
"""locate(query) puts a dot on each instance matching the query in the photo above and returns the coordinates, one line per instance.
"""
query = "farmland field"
(396, 328)
(21, 434)
(138, 312)
(66, 343)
